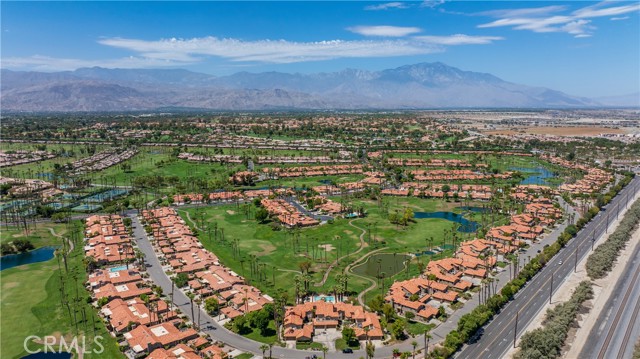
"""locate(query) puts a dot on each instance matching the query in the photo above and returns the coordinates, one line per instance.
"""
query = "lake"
(38, 255)
(475, 209)
(466, 225)
(48, 356)
(388, 263)
(537, 175)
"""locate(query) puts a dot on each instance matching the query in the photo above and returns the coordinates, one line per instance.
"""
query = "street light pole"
(515, 331)
(575, 265)
(551, 289)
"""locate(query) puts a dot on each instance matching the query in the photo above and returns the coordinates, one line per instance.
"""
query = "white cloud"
(458, 39)
(387, 6)
(619, 18)
(271, 51)
(175, 52)
(540, 20)
(509, 13)
(596, 11)
(46, 63)
(432, 3)
(385, 31)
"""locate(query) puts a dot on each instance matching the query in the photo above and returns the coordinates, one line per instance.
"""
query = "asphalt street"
(618, 327)
(498, 335)
(210, 326)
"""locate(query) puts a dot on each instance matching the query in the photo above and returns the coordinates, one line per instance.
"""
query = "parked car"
(347, 351)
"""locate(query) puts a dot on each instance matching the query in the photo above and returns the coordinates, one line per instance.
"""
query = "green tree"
(397, 329)
(212, 305)
(348, 335)
(262, 215)
(181, 280)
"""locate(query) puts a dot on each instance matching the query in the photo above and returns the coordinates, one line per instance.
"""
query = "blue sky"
(582, 48)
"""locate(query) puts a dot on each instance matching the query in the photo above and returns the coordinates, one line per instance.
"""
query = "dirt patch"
(67, 339)
(327, 247)
(347, 232)
(9, 285)
(230, 212)
(267, 248)
(560, 131)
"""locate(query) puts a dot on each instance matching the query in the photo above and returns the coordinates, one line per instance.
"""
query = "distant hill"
(419, 86)
(630, 100)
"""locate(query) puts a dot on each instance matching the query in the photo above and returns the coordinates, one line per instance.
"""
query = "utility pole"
(551, 289)
(575, 265)
(515, 330)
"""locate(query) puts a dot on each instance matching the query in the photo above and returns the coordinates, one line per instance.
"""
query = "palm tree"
(191, 296)
(264, 348)
(427, 336)
(414, 344)
(324, 351)
(198, 302)
(370, 350)
(270, 347)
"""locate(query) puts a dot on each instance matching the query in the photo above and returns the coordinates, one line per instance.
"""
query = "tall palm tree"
(264, 348)
(370, 350)
(324, 351)
(414, 344)
(427, 336)
(191, 296)
(198, 302)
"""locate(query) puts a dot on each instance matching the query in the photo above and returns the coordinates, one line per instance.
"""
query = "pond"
(38, 255)
(537, 175)
(48, 356)
(475, 209)
(388, 263)
(466, 226)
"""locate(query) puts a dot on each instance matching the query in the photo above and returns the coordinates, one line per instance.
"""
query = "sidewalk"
(503, 277)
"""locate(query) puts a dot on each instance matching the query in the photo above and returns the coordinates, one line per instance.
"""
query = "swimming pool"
(327, 298)
(117, 269)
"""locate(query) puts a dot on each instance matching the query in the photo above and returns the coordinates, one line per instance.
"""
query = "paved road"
(498, 335)
(619, 326)
(215, 330)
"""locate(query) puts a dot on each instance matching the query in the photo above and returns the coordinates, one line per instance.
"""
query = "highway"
(499, 334)
(618, 327)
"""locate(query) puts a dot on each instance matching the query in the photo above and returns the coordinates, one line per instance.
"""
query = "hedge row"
(471, 322)
(547, 341)
(601, 260)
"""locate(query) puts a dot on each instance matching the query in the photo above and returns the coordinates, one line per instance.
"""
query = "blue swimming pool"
(117, 269)
(326, 298)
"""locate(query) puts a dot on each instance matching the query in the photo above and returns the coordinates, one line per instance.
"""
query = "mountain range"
(419, 86)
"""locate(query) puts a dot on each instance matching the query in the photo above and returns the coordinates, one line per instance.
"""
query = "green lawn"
(310, 181)
(312, 346)
(282, 251)
(160, 162)
(270, 338)
(31, 305)
(417, 328)
(31, 169)
(244, 356)
(39, 236)
(341, 344)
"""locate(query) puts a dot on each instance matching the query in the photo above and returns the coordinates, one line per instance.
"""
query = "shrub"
(546, 342)
(601, 260)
